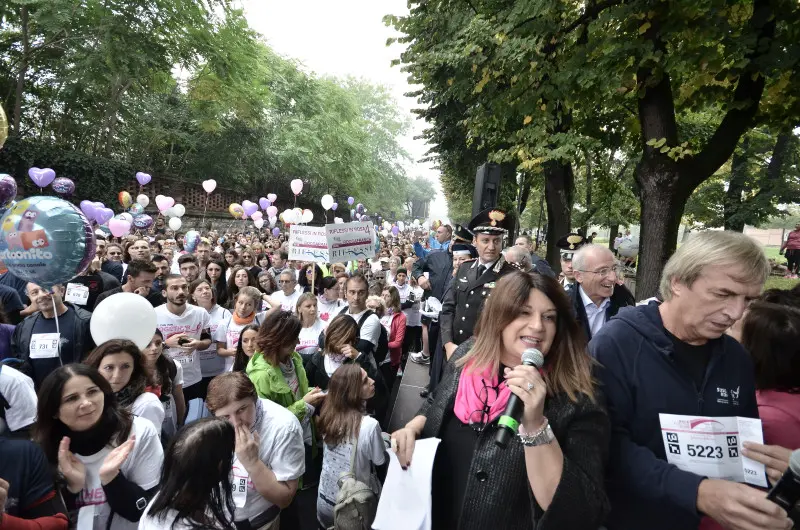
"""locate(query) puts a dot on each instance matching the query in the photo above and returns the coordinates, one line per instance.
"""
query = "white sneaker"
(420, 358)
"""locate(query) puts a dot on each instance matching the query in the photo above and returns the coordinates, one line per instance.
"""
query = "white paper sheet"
(405, 502)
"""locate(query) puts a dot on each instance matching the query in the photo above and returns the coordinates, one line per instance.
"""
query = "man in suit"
(597, 295)
(474, 280)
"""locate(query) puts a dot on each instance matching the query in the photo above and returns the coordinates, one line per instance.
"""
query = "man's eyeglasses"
(285, 281)
(480, 417)
(606, 271)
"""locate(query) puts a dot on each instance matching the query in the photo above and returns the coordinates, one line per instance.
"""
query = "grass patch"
(776, 282)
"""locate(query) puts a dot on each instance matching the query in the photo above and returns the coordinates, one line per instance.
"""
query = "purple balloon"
(8, 190)
(89, 209)
(63, 187)
(41, 177)
(360, 208)
(264, 203)
(395, 230)
(334, 206)
(143, 178)
(142, 221)
(103, 215)
(249, 207)
(276, 231)
(350, 201)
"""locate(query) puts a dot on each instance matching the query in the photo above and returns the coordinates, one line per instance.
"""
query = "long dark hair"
(343, 407)
(49, 430)
(240, 360)
(306, 285)
(233, 290)
(771, 333)
(195, 477)
(165, 371)
(138, 378)
(220, 287)
(569, 366)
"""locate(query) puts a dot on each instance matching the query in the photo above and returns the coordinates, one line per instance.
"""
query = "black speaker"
(487, 187)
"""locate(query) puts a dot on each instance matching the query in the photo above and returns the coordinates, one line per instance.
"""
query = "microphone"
(508, 424)
(786, 493)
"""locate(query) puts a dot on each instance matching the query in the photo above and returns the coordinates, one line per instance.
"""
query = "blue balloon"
(136, 209)
(190, 240)
(46, 240)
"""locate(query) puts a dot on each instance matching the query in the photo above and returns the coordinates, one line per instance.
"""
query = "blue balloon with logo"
(191, 240)
(46, 240)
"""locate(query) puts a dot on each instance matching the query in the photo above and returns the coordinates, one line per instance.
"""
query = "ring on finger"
(530, 386)
(394, 444)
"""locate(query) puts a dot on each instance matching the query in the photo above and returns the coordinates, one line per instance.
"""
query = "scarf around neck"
(243, 321)
(468, 396)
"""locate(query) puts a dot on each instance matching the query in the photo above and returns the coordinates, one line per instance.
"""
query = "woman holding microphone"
(551, 475)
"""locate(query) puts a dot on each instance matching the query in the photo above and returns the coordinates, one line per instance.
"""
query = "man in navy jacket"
(675, 358)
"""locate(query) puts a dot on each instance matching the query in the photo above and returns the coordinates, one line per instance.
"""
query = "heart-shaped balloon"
(125, 199)
(297, 186)
(143, 221)
(249, 207)
(143, 200)
(334, 206)
(272, 197)
(307, 216)
(164, 203)
(119, 227)
(257, 215)
(63, 187)
(272, 211)
(259, 223)
(89, 210)
(103, 215)
(263, 203)
(209, 185)
(42, 177)
(143, 178)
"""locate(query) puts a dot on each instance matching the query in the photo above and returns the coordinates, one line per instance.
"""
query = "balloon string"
(205, 207)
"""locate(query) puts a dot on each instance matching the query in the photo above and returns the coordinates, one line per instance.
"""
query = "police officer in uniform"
(474, 280)
(567, 246)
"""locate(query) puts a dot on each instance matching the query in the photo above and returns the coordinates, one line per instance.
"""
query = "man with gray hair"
(674, 358)
(518, 257)
(599, 294)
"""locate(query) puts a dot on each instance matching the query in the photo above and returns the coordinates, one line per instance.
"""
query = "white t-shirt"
(17, 389)
(309, 338)
(371, 330)
(149, 407)
(170, 425)
(288, 303)
(212, 364)
(229, 333)
(327, 310)
(142, 467)
(152, 523)
(192, 322)
(282, 450)
(336, 460)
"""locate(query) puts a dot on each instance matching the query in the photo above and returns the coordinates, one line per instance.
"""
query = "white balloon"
(125, 215)
(385, 233)
(387, 225)
(175, 224)
(143, 200)
(124, 316)
(307, 216)
(338, 220)
(272, 221)
(327, 202)
(401, 225)
(259, 223)
(178, 210)
(416, 222)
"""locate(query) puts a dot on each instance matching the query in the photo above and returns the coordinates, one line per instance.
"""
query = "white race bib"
(712, 447)
(239, 480)
(44, 345)
(77, 294)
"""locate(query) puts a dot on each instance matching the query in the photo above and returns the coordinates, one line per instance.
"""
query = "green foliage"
(187, 89)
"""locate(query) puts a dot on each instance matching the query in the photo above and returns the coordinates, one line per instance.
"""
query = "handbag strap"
(353, 454)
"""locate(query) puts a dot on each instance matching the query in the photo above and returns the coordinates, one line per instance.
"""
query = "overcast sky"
(341, 38)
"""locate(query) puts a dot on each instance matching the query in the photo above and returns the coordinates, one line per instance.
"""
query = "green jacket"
(270, 384)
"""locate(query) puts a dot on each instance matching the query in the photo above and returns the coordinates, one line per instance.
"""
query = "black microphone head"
(533, 357)
(794, 462)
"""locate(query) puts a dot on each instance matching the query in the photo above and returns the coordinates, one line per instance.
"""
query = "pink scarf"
(468, 396)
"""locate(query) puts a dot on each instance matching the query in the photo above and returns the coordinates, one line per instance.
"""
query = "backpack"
(356, 503)
(381, 351)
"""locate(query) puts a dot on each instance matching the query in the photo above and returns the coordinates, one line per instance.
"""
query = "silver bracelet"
(543, 436)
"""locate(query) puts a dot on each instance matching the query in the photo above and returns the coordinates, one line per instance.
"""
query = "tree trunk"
(733, 196)
(559, 185)
(589, 178)
(612, 234)
(23, 70)
(779, 152)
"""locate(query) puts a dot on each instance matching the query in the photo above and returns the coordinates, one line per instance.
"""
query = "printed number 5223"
(704, 451)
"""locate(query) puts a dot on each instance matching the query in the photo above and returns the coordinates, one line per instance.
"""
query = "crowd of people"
(265, 378)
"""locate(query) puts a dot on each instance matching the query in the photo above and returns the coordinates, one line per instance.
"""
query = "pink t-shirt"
(780, 418)
(793, 240)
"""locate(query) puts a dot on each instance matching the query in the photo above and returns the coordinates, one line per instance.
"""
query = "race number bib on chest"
(44, 345)
(239, 482)
(77, 294)
(712, 447)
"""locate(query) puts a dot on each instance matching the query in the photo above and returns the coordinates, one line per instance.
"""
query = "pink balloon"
(297, 186)
(257, 215)
(249, 207)
(272, 197)
(209, 185)
(259, 223)
(119, 227)
(272, 211)
(164, 203)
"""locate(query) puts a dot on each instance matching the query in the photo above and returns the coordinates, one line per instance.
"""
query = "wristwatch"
(541, 437)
